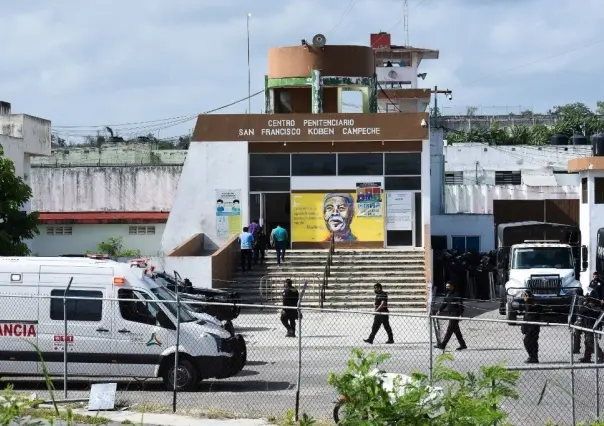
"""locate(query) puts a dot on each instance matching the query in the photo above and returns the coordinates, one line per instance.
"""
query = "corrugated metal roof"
(102, 217)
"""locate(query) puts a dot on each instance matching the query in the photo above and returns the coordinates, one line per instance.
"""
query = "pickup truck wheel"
(187, 376)
(502, 300)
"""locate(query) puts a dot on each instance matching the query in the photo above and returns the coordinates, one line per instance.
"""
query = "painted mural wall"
(129, 188)
(353, 217)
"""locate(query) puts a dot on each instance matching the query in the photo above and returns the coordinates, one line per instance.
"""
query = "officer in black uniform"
(381, 305)
(289, 316)
(594, 292)
(532, 313)
(589, 313)
(452, 306)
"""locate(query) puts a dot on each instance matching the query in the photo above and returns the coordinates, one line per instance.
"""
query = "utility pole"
(436, 92)
(406, 21)
(249, 73)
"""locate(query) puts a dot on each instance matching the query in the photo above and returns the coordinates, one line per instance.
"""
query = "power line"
(344, 14)
(158, 124)
(505, 71)
(388, 97)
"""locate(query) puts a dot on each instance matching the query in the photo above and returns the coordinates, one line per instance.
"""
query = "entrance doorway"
(272, 209)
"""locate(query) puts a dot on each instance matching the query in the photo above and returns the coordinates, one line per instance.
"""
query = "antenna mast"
(406, 21)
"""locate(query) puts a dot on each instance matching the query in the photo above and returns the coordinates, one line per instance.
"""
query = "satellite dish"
(319, 40)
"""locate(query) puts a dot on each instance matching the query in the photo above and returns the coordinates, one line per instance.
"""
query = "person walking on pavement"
(452, 306)
(278, 240)
(246, 241)
(381, 317)
(259, 246)
(289, 316)
(532, 313)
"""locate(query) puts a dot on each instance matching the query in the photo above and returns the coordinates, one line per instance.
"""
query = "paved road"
(267, 384)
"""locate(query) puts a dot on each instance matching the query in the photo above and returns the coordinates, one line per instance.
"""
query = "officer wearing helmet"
(532, 313)
(589, 311)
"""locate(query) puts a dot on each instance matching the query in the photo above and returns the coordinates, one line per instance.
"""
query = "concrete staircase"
(354, 272)
(264, 283)
(350, 284)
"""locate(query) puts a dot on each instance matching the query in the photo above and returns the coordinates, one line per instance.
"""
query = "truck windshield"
(165, 295)
(542, 257)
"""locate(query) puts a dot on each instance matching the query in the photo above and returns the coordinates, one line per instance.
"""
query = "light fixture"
(450, 96)
(332, 143)
(304, 43)
(284, 143)
(422, 75)
(382, 143)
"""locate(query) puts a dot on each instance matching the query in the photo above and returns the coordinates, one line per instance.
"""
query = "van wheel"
(187, 376)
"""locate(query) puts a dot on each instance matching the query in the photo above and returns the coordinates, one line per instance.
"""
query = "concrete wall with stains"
(34, 131)
(132, 188)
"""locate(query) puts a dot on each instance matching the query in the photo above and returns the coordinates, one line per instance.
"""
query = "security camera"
(450, 96)
(424, 123)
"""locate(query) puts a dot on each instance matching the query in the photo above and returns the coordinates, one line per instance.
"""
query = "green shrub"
(471, 399)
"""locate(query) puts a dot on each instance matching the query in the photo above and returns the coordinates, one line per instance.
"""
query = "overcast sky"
(108, 62)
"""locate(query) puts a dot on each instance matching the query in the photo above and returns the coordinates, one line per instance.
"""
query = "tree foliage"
(15, 224)
(570, 119)
(114, 247)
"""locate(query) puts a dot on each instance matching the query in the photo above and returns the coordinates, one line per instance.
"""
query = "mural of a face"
(338, 212)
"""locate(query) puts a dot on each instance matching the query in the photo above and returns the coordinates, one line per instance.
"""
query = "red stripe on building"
(91, 218)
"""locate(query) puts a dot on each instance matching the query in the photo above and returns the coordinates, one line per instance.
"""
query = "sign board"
(399, 210)
(228, 212)
(402, 75)
(369, 199)
(310, 127)
(58, 343)
(102, 397)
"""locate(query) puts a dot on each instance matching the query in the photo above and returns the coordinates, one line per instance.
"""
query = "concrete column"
(269, 98)
(317, 92)
(373, 96)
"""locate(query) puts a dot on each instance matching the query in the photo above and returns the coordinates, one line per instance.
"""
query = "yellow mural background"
(308, 225)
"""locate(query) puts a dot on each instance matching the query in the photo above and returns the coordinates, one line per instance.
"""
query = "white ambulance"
(117, 325)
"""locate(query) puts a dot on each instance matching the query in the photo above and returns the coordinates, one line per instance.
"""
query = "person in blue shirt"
(236, 208)
(278, 239)
(246, 242)
(219, 206)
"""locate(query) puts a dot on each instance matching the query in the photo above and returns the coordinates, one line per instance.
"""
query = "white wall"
(591, 218)
(478, 199)
(209, 166)
(436, 171)
(426, 189)
(465, 156)
(34, 131)
(299, 183)
(468, 225)
(87, 237)
(14, 150)
(130, 188)
(196, 268)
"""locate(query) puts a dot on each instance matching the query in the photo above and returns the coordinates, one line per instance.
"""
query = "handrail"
(327, 271)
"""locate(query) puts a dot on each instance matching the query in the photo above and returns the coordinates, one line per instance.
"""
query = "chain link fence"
(257, 370)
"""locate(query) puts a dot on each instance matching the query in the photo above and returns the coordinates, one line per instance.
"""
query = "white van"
(130, 336)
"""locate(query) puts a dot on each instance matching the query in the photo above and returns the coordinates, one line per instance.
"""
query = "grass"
(48, 414)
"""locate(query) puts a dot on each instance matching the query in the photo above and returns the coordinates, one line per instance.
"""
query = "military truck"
(545, 258)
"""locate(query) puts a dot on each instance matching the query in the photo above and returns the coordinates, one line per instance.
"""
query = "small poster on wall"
(399, 210)
(369, 199)
(228, 212)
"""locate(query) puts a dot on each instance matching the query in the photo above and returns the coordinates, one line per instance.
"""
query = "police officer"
(532, 313)
(594, 292)
(452, 306)
(381, 306)
(289, 316)
(589, 313)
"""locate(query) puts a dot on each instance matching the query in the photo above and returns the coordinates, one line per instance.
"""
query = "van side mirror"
(584, 258)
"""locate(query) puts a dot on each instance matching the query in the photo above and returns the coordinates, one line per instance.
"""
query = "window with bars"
(141, 230)
(59, 230)
(508, 178)
(454, 178)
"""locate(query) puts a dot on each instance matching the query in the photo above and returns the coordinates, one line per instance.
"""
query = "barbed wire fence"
(258, 370)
